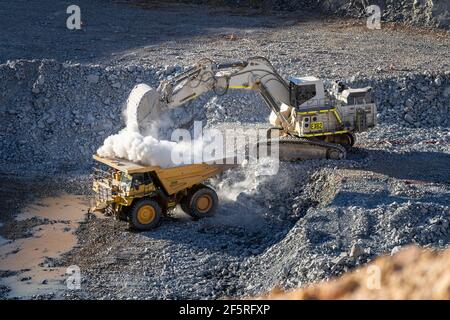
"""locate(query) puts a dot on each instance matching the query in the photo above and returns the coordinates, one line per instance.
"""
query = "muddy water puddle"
(28, 262)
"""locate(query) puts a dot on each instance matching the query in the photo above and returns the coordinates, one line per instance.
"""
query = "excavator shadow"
(417, 166)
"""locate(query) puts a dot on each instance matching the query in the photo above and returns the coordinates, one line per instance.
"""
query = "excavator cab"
(306, 92)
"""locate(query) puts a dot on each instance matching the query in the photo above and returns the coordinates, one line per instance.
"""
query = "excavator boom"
(254, 74)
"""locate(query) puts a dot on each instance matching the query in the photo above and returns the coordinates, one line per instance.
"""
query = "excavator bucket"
(144, 107)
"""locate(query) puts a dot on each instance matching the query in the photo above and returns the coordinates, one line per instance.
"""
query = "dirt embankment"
(411, 273)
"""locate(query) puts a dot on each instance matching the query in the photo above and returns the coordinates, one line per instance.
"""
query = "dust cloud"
(138, 141)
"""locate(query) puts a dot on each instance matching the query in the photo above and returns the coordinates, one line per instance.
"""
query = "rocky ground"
(311, 221)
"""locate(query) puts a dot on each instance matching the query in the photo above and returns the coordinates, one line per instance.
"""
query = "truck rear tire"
(145, 215)
(201, 203)
(184, 202)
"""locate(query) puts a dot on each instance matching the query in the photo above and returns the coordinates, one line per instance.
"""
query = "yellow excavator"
(307, 121)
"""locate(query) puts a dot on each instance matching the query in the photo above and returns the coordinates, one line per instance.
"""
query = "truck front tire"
(145, 215)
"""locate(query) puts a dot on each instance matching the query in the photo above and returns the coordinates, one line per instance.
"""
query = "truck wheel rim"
(146, 214)
(204, 203)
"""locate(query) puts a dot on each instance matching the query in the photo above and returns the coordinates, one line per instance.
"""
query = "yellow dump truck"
(143, 194)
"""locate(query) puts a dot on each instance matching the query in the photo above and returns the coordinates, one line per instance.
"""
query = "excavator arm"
(253, 74)
(257, 74)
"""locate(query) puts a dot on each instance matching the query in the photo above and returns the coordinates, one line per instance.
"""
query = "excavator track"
(294, 148)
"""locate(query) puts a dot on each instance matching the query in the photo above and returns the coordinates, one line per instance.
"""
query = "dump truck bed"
(125, 166)
(173, 179)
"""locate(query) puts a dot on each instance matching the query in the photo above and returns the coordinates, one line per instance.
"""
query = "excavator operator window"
(301, 94)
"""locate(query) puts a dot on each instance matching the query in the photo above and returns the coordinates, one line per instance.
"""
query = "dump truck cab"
(135, 185)
(143, 194)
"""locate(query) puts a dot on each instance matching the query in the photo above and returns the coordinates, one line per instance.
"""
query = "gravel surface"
(311, 221)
